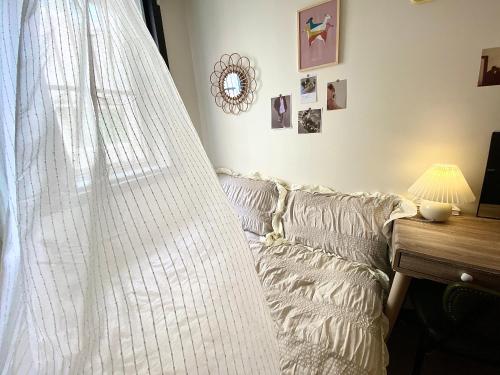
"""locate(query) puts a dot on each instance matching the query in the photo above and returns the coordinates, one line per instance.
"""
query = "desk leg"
(396, 298)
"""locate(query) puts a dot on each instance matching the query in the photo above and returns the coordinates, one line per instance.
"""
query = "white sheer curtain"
(119, 253)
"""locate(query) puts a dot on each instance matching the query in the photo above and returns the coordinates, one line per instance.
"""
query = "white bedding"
(252, 237)
(328, 312)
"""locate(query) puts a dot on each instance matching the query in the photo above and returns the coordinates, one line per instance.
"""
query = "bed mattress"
(327, 311)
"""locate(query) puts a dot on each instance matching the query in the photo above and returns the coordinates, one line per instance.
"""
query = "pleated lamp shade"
(443, 183)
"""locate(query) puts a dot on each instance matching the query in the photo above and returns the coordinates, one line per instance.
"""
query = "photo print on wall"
(489, 70)
(308, 90)
(309, 121)
(281, 107)
(318, 39)
(336, 95)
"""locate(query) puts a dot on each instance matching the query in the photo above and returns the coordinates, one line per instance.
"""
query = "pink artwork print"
(318, 35)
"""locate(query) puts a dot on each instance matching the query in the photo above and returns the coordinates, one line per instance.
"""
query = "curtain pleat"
(120, 253)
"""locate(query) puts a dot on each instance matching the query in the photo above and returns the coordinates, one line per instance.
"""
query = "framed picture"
(318, 35)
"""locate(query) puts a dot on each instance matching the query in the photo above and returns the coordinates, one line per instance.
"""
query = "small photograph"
(308, 92)
(336, 95)
(309, 121)
(281, 106)
(489, 71)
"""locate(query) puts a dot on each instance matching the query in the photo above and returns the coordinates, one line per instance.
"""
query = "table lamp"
(438, 188)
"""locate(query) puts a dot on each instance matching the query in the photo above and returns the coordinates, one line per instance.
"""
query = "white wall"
(412, 98)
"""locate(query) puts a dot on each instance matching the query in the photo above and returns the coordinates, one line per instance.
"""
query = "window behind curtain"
(122, 126)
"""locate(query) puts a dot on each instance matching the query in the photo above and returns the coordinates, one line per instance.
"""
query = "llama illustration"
(318, 31)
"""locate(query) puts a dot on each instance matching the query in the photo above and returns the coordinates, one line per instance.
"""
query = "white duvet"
(328, 312)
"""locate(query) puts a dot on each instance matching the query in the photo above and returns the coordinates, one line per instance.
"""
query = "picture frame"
(318, 35)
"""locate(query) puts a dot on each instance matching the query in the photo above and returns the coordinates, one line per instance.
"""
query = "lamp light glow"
(439, 187)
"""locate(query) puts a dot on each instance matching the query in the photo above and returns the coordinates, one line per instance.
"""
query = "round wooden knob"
(466, 278)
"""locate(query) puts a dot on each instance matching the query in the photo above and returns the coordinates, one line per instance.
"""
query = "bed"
(322, 258)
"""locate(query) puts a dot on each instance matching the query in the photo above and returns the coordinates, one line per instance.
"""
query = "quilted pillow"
(346, 225)
(253, 200)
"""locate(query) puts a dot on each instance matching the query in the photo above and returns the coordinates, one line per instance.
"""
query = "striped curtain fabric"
(120, 254)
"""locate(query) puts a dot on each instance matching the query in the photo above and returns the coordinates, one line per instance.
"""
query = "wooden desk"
(465, 248)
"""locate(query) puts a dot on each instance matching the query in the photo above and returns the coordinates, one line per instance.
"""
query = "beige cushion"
(350, 226)
(253, 200)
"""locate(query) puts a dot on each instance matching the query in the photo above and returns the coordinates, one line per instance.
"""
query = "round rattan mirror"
(233, 83)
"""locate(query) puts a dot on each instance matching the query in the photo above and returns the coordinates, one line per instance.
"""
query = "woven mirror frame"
(233, 83)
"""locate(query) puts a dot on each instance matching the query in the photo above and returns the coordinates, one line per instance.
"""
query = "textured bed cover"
(328, 312)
